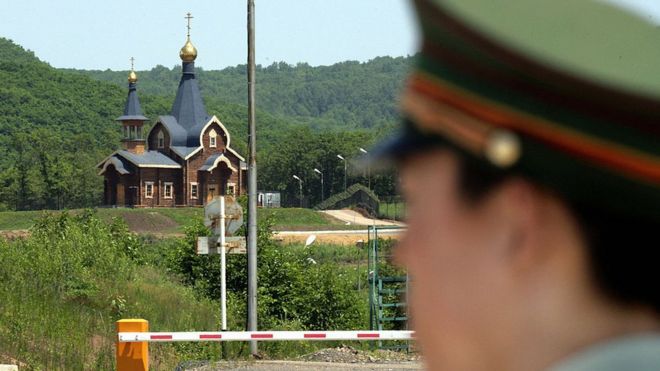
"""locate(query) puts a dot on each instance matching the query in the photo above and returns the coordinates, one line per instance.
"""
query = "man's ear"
(521, 206)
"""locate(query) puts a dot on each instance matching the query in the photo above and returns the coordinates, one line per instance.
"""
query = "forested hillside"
(347, 95)
(53, 126)
(56, 125)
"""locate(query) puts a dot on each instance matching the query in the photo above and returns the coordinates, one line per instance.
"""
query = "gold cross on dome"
(132, 62)
(189, 17)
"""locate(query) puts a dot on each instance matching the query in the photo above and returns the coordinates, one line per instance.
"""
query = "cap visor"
(406, 142)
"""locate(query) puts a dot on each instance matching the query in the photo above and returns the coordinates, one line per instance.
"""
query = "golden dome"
(188, 53)
(132, 77)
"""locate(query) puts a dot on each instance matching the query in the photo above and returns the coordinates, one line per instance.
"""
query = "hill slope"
(347, 95)
(56, 125)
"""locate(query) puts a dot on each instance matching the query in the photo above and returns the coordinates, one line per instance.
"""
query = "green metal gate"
(387, 290)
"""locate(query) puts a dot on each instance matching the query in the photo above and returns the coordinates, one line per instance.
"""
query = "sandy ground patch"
(331, 237)
(355, 218)
(12, 235)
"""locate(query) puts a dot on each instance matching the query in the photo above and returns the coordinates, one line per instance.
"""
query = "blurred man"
(530, 163)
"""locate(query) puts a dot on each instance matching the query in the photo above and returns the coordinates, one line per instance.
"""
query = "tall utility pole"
(252, 186)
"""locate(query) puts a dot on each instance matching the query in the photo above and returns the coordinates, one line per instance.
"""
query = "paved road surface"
(353, 217)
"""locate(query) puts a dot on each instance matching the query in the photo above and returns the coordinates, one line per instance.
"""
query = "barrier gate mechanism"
(133, 338)
(125, 337)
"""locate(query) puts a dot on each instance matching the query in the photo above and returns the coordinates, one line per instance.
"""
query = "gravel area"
(347, 354)
(340, 358)
(300, 366)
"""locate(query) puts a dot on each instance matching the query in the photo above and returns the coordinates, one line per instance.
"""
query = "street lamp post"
(368, 168)
(320, 173)
(343, 159)
(300, 183)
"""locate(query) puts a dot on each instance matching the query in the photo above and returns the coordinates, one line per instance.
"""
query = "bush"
(63, 287)
(69, 267)
(292, 291)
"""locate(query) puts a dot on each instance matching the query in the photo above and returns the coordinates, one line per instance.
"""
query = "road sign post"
(223, 266)
(224, 218)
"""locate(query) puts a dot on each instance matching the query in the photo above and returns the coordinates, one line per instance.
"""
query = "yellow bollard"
(133, 356)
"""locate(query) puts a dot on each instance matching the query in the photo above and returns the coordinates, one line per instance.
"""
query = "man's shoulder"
(639, 352)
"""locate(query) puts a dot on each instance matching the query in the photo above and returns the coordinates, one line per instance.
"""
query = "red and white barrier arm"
(125, 337)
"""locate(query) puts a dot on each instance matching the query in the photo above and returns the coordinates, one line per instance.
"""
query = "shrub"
(63, 287)
(291, 290)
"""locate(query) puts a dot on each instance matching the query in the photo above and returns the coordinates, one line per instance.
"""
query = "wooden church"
(184, 160)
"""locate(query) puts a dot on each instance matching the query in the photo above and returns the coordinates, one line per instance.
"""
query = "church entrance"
(121, 195)
(132, 196)
(212, 192)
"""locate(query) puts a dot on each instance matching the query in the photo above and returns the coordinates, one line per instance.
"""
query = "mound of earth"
(150, 222)
(12, 235)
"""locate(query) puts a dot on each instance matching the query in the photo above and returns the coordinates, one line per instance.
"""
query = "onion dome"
(132, 77)
(188, 53)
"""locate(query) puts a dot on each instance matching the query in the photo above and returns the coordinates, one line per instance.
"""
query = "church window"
(193, 190)
(213, 139)
(168, 190)
(149, 189)
(161, 140)
(231, 189)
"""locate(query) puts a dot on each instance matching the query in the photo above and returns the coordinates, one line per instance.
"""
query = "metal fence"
(392, 208)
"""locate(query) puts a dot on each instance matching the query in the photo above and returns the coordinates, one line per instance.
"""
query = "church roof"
(149, 159)
(115, 161)
(178, 134)
(145, 159)
(188, 107)
(213, 161)
(188, 117)
(184, 152)
(132, 109)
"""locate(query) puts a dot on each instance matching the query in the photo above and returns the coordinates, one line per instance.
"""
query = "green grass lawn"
(172, 220)
(296, 218)
(14, 220)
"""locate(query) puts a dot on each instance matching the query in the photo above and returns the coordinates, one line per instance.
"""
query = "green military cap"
(564, 92)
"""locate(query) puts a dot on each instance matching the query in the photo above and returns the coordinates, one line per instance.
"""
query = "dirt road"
(353, 217)
(349, 237)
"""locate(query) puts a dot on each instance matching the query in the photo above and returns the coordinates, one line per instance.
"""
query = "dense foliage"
(305, 151)
(56, 125)
(63, 287)
(348, 95)
(293, 291)
(53, 125)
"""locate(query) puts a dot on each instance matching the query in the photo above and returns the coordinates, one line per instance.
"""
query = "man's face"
(455, 253)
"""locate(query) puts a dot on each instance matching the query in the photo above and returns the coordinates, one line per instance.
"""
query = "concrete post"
(133, 356)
